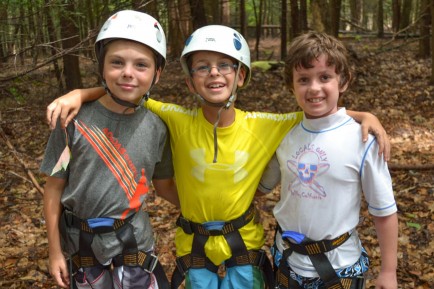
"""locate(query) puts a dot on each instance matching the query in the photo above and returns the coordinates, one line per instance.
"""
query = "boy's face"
(216, 86)
(129, 69)
(317, 89)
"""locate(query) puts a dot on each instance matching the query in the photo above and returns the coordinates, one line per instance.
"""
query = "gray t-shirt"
(109, 153)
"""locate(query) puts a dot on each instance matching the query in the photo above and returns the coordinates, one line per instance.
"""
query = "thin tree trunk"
(380, 19)
(283, 30)
(335, 8)
(243, 18)
(53, 40)
(197, 14)
(424, 42)
(226, 15)
(70, 38)
(432, 43)
(295, 30)
(396, 15)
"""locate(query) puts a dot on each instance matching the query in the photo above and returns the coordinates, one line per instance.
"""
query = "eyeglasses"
(222, 68)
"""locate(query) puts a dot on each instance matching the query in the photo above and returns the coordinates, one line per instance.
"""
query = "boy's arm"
(387, 234)
(52, 212)
(67, 106)
(370, 123)
(166, 188)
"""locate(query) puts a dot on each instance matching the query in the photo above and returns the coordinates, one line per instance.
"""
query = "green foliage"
(19, 98)
(266, 65)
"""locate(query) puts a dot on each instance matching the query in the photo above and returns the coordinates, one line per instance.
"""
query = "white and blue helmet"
(218, 38)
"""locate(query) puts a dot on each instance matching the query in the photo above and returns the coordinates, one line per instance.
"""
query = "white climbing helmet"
(218, 38)
(136, 26)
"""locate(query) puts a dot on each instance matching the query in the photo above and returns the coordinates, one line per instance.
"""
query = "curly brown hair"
(311, 45)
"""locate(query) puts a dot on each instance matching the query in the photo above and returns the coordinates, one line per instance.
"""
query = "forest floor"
(391, 83)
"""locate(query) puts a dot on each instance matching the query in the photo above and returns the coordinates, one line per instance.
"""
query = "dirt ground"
(391, 83)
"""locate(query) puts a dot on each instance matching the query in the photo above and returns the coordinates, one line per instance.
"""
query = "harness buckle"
(181, 266)
(262, 256)
(185, 225)
(152, 263)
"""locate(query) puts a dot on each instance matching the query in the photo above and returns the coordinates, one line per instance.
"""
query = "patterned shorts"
(357, 269)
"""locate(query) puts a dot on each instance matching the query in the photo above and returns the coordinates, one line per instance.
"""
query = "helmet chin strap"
(222, 106)
(127, 104)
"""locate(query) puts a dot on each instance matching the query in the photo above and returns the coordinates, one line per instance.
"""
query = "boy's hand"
(372, 125)
(386, 280)
(65, 107)
(59, 270)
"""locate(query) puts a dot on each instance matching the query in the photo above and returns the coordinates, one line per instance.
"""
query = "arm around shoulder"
(67, 106)
(370, 123)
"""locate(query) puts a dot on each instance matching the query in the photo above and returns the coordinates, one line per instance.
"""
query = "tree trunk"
(335, 9)
(380, 19)
(226, 15)
(53, 40)
(317, 23)
(356, 13)
(179, 28)
(295, 29)
(21, 36)
(3, 34)
(243, 18)
(258, 16)
(303, 16)
(432, 43)
(424, 26)
(198, 15)
(283, 30)
(396, 15)
(70, 38)
(215, 11)
(406, 12)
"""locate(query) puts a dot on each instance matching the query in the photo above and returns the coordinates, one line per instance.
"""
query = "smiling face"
(129, 69)
(215, 87)
(317, 88)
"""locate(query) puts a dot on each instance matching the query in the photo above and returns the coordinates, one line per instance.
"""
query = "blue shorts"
(246, 277)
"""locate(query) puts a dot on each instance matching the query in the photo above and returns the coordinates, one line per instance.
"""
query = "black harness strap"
(198, 259)
(315, 251)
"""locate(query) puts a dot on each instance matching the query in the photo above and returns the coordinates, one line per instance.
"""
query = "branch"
(407, 167)
(52, 58)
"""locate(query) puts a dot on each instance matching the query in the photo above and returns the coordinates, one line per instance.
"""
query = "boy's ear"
(344, 87)
(157, 75)
(190, 85)
(241, 76)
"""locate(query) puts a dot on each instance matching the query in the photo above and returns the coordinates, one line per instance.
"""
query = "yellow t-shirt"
(224, 190)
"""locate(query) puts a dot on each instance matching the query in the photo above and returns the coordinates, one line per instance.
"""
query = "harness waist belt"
(190, 227)
(73, 221)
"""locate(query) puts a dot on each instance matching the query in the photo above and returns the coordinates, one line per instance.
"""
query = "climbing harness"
(315, 251)
(124, 231)
(240, 255)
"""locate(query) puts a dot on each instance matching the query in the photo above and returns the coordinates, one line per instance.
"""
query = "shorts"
(246, 277)
(357, 269)
(123, 277)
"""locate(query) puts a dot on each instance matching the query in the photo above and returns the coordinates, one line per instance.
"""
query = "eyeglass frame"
(209, 68)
